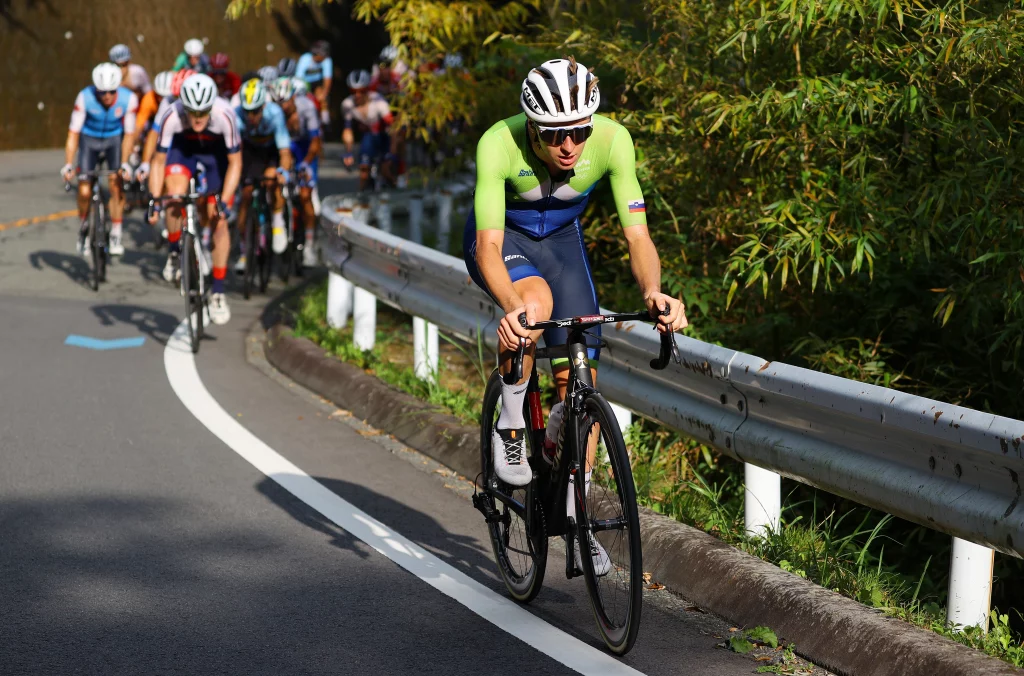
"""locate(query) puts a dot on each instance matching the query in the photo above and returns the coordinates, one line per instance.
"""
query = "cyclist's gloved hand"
(226, 207)
(153, 213)
(127, 171)
(304, 171)
(511, 331)
(142, 173)
(67, 172)
(283, 173)
(676, 317)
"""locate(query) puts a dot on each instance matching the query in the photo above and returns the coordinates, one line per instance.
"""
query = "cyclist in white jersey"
(133, 76)
(200, 127)
(306, 144)
(370, 113)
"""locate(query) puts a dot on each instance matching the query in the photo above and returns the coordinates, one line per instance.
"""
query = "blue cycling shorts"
(373, 147)
(299, 151)
(560, 259)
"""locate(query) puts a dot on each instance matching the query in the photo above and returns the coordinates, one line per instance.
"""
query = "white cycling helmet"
(560, 91)
(286, 66)
(198, 93)
(120, 53)
(252, 95)
(268, 74)
(106, 77)
(283, 89)
(162, 83)
(388, 54)
(194, 47)
(358, 79)
(301, 86)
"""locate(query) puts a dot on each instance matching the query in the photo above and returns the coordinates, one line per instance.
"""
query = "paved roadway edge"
(829, 629)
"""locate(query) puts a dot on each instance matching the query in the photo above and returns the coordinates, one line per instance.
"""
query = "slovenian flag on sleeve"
(637, 207)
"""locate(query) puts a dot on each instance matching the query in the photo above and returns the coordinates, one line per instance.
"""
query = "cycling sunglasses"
(555, 136)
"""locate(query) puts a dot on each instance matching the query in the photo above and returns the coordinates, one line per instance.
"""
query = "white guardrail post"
(970, 584)
(762, 500)
(339, 292)
(424, 334)
(364, 303)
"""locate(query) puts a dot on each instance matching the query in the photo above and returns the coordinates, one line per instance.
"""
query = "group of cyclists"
(201, 119)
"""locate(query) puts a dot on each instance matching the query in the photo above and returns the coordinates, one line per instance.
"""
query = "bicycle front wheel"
(606, 510)
(190, 290)
(520, 547)
(251, 233)
(96, 249)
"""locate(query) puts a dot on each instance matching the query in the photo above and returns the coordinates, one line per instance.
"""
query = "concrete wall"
(48, 49)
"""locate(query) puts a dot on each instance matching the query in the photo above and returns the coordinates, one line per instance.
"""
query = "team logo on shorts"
(637, 207)
(176, 169)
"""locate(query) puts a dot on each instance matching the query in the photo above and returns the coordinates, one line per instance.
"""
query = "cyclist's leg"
(251, 172)
(88, 159)
(113, 155)
(216, 167)
(271, 159)
(367, 154)
(181, 166)
(389, 161)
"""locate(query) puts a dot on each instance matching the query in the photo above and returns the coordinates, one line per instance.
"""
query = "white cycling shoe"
(220, 313)
(116, 247)
(602, 564)
(172, 272)
(84, 246)
(510, 462)
(279, 242)
(309, 256)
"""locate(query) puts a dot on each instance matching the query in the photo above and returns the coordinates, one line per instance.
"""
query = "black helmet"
(321, 48)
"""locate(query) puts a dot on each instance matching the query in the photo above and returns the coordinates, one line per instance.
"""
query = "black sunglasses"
(555, 136)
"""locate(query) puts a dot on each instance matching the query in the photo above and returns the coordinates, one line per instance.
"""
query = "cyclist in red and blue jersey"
(306, 145)
(523, 241)
(370, 113)
(199, 127)
(102, 129)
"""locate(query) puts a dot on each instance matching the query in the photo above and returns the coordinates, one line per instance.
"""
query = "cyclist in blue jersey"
(266, 153)
(317, 69)
(102, 129)
(304, 129)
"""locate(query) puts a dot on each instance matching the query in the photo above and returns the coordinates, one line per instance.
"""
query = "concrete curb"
(829, 629)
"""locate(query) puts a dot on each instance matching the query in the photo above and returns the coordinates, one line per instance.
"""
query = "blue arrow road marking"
(99, 344)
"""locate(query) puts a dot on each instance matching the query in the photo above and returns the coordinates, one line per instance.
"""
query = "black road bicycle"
(96, 232)
(191, 262)
(522, 518)
(259, 254)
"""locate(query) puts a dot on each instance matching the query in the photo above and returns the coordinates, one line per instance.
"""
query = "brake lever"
(515, 374)
(669, 349)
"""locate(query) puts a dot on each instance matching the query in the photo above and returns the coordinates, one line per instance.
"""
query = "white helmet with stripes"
(198, 93)
(106, 77)
(162, 83)
(120, 53)
(560, 91)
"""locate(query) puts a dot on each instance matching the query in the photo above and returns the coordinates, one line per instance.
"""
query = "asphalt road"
(133, 539)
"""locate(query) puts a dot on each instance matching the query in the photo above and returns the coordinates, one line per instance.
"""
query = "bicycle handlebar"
(668, 350)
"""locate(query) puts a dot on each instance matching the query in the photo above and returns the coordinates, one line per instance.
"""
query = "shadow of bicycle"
(156, 324)
(75, 267)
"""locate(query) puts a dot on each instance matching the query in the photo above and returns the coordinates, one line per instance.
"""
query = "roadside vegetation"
(830, 184)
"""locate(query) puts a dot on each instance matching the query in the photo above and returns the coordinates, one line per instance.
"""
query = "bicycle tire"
(251, 226)
(189, 276)
(523, 584)
(284, 263)
(265, 261)
(613, 489)
(94, 246)
(200, 285)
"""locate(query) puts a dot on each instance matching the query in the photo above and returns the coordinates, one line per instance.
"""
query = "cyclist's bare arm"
(646, 267)
(71, 147)
(156, 174)
(348, 138)
(285, 159)
(315, 146)
(232, 175)
(152, 138)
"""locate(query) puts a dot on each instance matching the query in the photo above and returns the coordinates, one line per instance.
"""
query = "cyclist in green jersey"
(523, 242)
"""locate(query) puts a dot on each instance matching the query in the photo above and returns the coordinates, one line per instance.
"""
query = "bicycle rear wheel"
(608, 512)
(520, 548)
(251, 233)
(95, 246)
(190, 290)
(284, 261)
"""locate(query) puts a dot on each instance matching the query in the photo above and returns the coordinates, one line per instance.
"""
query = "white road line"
(498, 610)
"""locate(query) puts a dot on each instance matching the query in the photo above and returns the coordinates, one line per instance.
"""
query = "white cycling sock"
(277, 220)
(512, 397)
(570, 498)
(115, 228)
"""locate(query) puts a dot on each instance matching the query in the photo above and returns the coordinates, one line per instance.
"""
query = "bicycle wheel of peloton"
(251, 233)
(189, 281)
(521, 556)
(608, 510)
(200, 290)
(94, 215)
(265, 259)
(284, 261)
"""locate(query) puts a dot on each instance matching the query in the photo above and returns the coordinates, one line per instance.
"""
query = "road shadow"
(465, 553)
(156, 324)
(77, 269)
(116, 583)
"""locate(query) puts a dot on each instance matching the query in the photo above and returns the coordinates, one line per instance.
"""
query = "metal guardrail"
(946, 467)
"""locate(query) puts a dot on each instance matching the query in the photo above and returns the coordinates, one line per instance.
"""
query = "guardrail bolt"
(739, 405)
(724, 399)
(957, 470)
(931, 463)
